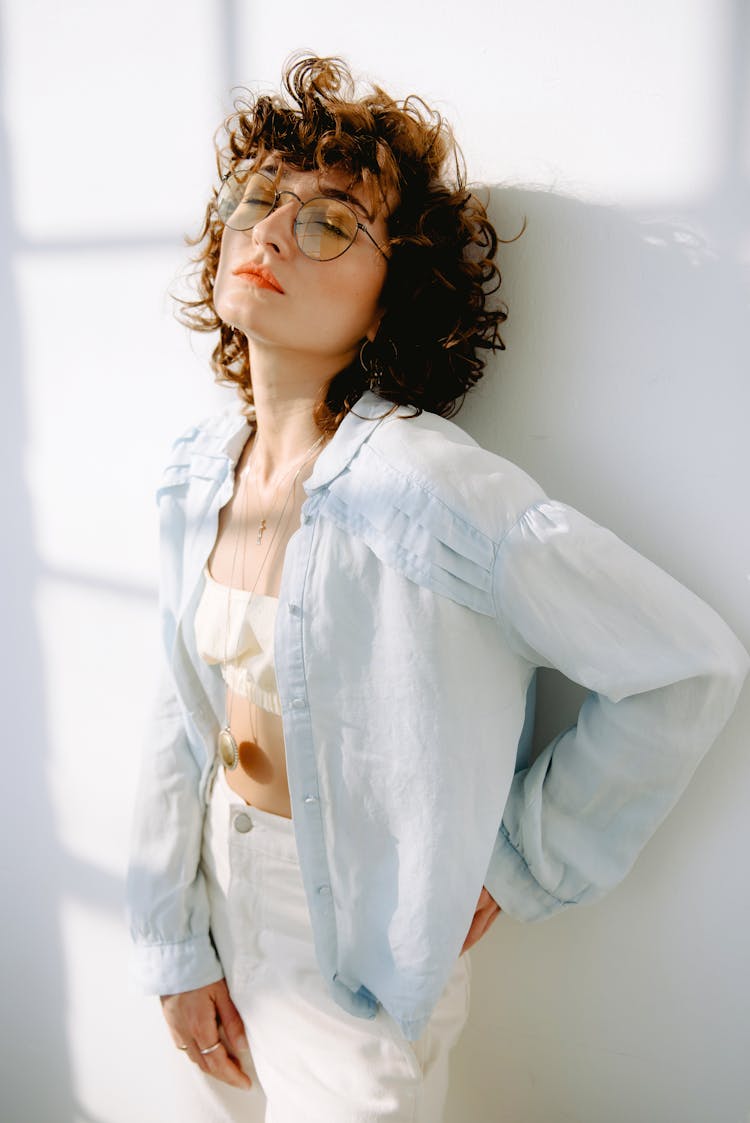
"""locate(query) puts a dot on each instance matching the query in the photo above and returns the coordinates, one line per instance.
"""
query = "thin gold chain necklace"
(262, 525)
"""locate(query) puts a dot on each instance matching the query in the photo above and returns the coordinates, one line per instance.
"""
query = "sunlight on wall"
(110, 113)
(104, 353)
(612, 101)
(97, 727)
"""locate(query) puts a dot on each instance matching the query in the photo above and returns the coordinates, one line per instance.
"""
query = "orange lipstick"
(259, 275)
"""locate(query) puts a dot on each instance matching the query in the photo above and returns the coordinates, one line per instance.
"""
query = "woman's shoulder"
(433, 457)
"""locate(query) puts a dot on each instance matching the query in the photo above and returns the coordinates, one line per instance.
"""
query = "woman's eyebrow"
(347, 197)
(272, 168)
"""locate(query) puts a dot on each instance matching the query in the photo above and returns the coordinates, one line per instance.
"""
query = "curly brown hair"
(439, 316)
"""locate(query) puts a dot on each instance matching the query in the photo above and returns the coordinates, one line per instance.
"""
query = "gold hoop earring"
(372, 362)
(369, 359)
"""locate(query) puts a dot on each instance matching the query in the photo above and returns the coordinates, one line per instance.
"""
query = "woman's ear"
(372, 331)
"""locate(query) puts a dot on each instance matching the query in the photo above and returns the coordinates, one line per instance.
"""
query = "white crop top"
(246, 650)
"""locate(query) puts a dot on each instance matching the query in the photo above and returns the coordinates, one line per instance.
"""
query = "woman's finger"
(473, 934)
(486, 912)
(490, 916)
(217, 1063)
(231, 1023)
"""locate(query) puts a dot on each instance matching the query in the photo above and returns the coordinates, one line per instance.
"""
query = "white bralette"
(246, 648)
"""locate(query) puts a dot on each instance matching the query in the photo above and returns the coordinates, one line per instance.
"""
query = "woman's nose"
(276, 230)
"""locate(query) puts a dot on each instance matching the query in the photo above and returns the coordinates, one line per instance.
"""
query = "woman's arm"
(664, 672)
(169, 918)
(167, 901)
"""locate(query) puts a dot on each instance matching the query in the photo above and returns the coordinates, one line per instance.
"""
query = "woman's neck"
(286, 389)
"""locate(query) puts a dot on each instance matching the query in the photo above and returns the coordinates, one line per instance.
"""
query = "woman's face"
(280, 298)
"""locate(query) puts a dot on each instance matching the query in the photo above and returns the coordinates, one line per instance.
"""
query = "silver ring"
(211, 1049)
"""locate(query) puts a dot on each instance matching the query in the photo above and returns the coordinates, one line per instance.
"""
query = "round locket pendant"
(228, 751)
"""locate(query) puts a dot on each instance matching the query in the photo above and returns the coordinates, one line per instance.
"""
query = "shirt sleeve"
(663, 671)
(167, 900)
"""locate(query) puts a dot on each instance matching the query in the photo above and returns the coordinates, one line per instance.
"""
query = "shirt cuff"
(174, 968)
(511, 884)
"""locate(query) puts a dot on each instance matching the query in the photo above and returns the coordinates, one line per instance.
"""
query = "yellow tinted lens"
(325, 228)
(244, 199)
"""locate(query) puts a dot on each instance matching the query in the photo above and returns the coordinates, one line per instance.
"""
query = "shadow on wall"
(625, 376)
(624, 392)
(620, 389)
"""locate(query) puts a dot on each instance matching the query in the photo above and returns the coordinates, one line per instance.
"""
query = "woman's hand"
(199, 1019)
(486, 912)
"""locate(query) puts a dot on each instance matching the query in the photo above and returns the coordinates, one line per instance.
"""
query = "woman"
(354, 599)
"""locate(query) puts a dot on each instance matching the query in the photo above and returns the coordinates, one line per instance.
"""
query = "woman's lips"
(259, 276)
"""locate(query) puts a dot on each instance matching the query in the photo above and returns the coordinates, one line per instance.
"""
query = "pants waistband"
(258, 827)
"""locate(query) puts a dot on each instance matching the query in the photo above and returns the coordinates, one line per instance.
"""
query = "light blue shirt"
(426, 582)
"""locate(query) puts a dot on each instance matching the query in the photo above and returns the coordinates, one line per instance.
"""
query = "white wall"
(621, 131)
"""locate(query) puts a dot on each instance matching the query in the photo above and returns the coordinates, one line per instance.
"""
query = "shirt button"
(293, 608)
(298, 703)
(306, 517)
(324, 890)
(310, 799)
(243, 823)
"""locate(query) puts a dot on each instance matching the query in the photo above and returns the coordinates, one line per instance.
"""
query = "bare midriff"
(260, 777)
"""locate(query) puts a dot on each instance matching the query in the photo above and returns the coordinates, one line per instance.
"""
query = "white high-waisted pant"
(314, 1062)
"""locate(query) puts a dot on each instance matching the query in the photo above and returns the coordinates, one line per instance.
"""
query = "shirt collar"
(358, 425)
(236, 436)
